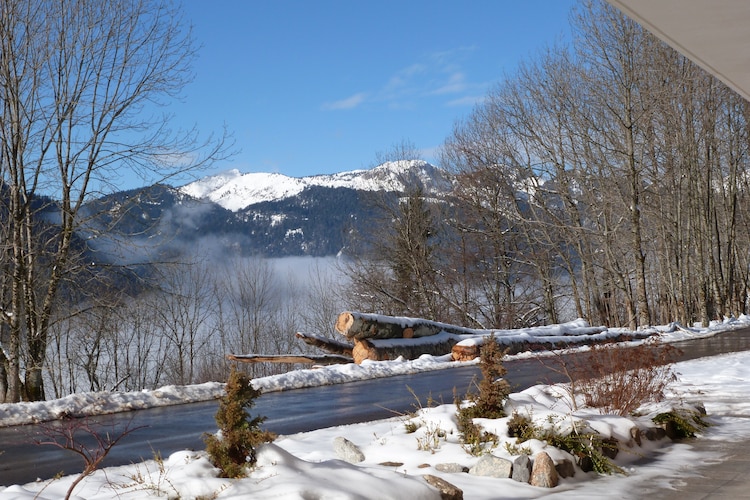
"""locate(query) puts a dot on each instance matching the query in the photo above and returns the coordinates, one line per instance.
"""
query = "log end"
(344, 322)
(365, 350)
(465, 352)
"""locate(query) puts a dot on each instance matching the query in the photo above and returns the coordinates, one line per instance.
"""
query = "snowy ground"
(305, 465)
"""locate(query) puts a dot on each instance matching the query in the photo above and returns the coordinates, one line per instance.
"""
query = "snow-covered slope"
(234, 190)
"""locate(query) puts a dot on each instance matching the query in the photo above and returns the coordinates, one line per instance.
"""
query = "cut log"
(289, 358)
(329, 345)
(469, 351)
(358, 326)
(383, 350)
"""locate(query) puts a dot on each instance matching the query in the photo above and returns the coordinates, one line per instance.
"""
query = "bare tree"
(78, 82)
(616, 168)
(394, 268)
(186, 306)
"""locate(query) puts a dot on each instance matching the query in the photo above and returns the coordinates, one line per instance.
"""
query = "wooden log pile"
(378, 337)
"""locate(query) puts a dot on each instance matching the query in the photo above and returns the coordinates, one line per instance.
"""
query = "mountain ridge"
(236, 191)
(264, 214)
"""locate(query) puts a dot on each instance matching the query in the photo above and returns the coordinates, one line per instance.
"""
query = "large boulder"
(543, 472)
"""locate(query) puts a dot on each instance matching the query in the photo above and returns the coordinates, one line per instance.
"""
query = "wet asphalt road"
(169, 429)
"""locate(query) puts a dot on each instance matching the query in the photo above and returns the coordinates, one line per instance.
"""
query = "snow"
(305, 465)
(235, 191)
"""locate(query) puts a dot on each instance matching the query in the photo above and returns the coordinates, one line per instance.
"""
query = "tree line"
(606, 180)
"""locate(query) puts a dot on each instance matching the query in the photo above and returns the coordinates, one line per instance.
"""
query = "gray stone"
(543, 472)
(522, 469)
(655, 433)
(635, 435)
(451, 468)
(565, 468)
(492, 466)
(447, 490)
(586, 463)
(700, 408)
(347, 451)
(610, 447)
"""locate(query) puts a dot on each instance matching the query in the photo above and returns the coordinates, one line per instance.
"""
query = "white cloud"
(469, 100)
(456, 83)
(403, 77)
(350, 102)
(438, 74)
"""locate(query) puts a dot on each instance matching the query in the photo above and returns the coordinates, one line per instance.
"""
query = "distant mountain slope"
(260, 213)
(235, 191)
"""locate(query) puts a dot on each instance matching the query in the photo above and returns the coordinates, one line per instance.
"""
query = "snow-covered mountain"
(262, 213)
(236, 191)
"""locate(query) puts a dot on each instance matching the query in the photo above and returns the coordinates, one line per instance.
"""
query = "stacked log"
(383, 350)
(375, 336)
(379, 338)
(331, 359)
(330, 345)
(357, 326)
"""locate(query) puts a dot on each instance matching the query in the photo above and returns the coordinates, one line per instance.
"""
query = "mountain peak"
(234, 190)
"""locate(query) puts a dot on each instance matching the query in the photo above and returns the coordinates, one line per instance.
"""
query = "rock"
(492, 466)
(566, 468)
(391, 464)
(543, 473)
(451, 468)
(610, 448)
(635, 435)
(655, 433)
(347, 451)
(701, 409)
(585, 462)
(522, 469)
(447, 490)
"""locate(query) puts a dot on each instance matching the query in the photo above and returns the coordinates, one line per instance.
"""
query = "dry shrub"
(619, 380)
(86, 438)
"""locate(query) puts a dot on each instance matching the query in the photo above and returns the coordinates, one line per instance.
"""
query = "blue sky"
(321, 86)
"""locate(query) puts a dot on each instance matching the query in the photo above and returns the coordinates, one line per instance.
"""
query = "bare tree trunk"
(73, 78)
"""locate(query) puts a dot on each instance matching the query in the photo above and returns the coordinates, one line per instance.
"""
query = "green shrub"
(588, 447)
(474, 438)
(519, 426)
(493, 389)
(681, 422)
(234, 449)
(487, 403)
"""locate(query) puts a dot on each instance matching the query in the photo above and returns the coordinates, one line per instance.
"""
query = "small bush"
(474, 438)
(587, 447)
(488, 403)
(681, 423)
(493, 389)
(234, 449)
(619, 380)
(519, 426)
(430, 438)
